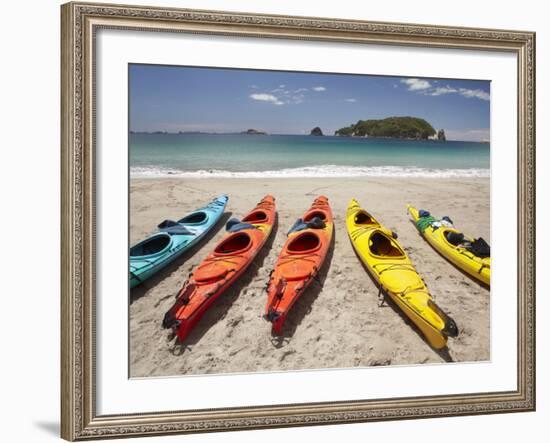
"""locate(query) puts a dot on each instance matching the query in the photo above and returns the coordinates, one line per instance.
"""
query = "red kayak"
(230, 258)
(298, 264)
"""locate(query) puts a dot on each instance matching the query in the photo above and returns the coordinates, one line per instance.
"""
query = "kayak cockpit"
(196, 218)
(255, 217)
(234, 244)
(364, 219)
(382, 245)
(304, 243)
(152, 245)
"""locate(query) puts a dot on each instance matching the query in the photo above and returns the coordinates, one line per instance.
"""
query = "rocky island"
(394, 127)
(316, 131)
(254, 132)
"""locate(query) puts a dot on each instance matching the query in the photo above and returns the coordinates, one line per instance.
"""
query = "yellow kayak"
(390, 267)
(458, 255)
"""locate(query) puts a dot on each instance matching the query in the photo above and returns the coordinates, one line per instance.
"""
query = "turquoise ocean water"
(209, 155)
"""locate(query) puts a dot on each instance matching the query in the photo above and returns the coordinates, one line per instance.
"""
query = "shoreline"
(314, 172)
(336, 325)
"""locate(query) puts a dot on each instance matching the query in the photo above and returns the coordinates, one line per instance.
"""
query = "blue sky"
(168, 98)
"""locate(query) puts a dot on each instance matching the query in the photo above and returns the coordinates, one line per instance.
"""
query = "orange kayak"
(230, 258)
(298, 264)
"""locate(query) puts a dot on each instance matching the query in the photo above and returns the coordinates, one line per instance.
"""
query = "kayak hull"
(394, 273)
(476, 267)
(220, 269)
(199, 222)
(299, 262)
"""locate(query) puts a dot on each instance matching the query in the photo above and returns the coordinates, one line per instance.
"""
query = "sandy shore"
(337, 325)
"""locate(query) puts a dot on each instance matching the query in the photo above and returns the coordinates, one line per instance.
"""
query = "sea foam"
(326, 171)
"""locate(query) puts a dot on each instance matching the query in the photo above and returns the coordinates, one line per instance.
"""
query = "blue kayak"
(173, 239)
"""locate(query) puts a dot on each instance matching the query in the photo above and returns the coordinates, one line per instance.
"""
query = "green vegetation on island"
(316, 131)
(394, 127)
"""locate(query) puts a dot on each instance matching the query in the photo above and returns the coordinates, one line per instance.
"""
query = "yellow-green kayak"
(460, 256)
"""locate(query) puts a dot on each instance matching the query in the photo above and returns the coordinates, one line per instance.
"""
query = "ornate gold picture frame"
(80, 22)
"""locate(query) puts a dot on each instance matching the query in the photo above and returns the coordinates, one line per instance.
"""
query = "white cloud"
(281, 90)
(319, 88)
(477, 93)
(424, 87)
(442, 90)
(350, 100)
(281, 96)
(254, 86)
(266, 98)
(416, 84)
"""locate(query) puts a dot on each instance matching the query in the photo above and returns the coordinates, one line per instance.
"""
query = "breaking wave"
(313, 171)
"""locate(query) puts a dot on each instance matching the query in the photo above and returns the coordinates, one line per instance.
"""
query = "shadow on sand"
(141, 290)
(219, 307)
(304, 304)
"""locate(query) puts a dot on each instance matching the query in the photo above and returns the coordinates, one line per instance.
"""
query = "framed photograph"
(283, 221)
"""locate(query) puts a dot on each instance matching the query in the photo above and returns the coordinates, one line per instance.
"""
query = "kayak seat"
(234, 225)
(194, 218)
(150, 246)
(178, 230)
(305, 243)
(236, 243)
(300, 225)
(167, 224)
(382, 246)
(255, 217)
(210, 272)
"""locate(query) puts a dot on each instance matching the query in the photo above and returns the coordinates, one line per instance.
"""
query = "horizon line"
(165, 132)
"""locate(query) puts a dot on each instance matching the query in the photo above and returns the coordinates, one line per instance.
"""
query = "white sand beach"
(338, 324)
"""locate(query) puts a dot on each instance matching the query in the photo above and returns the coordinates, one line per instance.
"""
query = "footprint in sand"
(286, 354)
(380, 362)
(235, 321)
